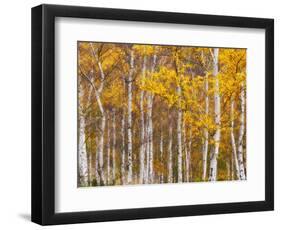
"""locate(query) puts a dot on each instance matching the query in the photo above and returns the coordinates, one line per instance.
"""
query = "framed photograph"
(142, 114)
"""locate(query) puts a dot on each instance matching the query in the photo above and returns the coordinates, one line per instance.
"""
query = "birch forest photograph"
(156, 114)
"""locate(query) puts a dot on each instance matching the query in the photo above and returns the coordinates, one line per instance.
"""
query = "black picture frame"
(43, 114)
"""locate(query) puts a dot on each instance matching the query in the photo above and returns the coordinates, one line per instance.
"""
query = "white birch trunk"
(241, 134)
(147, 135)
(150, 138)
(123, 156)
(97, 162)
(232, 167)
(186, 178)
(233, 142)
(129, 128)
(142, 129)
(82, 157)
(161, 156)
(187, 152)
(113, 145)
(103, 118)
(150, 127)
(108, 150)
(89, 169)
(90, 157)
(101, 137)
(179, 136)
(82, 153)
(170, 152)
(189, 171)
(217, 136)
(100, 147)
(206, 132)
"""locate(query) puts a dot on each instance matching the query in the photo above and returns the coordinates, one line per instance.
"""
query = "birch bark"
(113, 145)
(217, 136)
(150, 139)
(179, 136)
(147, 149)
(108, 150)
(142, 129)
(186, 178)
(98, 92)
(97, 162)
(150, 127)
(233, 142)
(82, 157)
(161, 157)
(100, 149)
(241, 133)
(206, 132)
(89, 168)
(123, 155)
(189, 154)
(129, 128)
(170, 152)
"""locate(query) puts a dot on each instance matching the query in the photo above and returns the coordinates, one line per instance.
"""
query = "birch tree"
(179, 119)
(129, 128)
(142, 129)
(113, 145)
(108, 150)
(123, 156)
(170, 151)
(179, 137)
(214, 156)
(161, 148)
(82, 160)
(241, 134)
(206, 132)
(233, 141)
(186, 153)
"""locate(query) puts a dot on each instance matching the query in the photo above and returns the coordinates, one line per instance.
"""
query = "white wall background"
(15, 114)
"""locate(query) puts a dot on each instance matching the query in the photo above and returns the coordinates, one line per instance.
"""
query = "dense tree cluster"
(160, 114)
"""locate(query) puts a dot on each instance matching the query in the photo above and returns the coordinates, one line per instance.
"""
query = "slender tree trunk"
(89, 168)
(98, 92)
(100, 147)
(150, 127)
(82, 157)
(123, 156)
(101, 137)
(170, 152)
(232, 167)
(217, 136)
(188, 155)
(206, 132)
(186, 178)
(97, 162)
(113, 146)
(82, 153)
(179, 137)
(142, 129)
(129, 128)
(241, 134)
(90, 160)
(150, 138)
(161, 157)
(233, 142)
(147, 135)
(108, 150)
